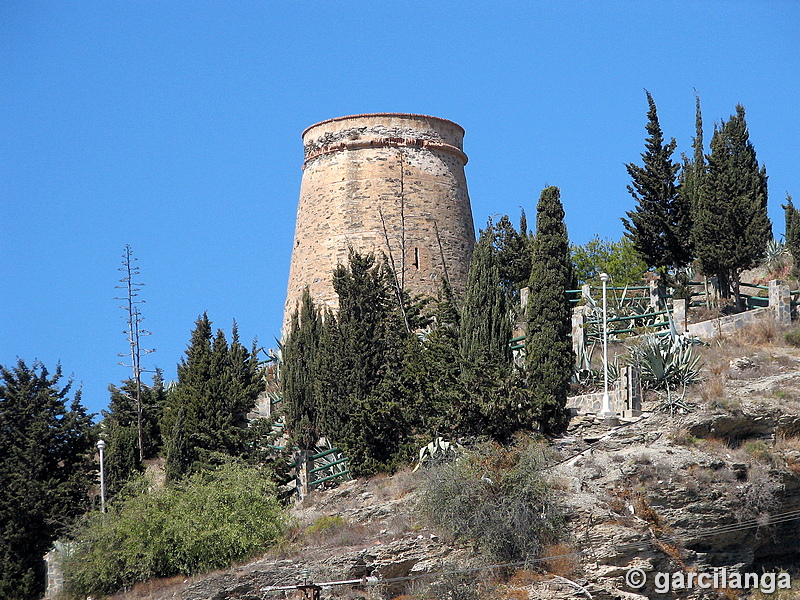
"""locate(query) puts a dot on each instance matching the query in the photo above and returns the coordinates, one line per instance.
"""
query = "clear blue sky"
(175, 127)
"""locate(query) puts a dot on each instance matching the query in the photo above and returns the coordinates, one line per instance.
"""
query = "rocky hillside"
(717, 487)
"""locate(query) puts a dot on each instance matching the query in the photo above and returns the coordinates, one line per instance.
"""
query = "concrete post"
(628, 392)
(586, 291)
(780, 301)
(679, 315)
(302, 473)
(579, 336)
(523, 300)
(657, 293)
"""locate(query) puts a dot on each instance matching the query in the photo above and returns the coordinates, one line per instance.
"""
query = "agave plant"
(438, 449)
(665, 363)
(773, 253)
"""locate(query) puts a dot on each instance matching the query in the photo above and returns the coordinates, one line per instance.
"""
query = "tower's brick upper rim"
(378, 115)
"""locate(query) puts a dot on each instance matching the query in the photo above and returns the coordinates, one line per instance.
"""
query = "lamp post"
(606, 411)
(101, 445)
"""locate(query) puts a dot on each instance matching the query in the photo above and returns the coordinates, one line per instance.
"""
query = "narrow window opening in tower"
(416, 258)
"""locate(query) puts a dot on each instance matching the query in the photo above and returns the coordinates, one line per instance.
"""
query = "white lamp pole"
(101, 445)
(606, 411)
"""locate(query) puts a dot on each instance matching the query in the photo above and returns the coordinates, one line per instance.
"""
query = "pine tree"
(298, 374)
(731, 227)
(46, 472)
(661, 223)
(619, 259)
(217, 384)
(548, 349)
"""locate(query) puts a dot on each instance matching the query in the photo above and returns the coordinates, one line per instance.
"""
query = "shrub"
(459, 586)
(494, 497)
(208, 521)
(792, 337)
(760, 452)
(760, 494)
(761, 333)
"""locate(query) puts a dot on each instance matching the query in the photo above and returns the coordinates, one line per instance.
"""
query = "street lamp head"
(604, 277)
(101, 445)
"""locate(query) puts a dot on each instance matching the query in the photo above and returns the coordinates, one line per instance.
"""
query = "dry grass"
(764, 332)
(335, 532)
(784, 441)
(715, 446)
(147, 589)
(395, 487)
(561, 560)
(712, 389)
(682, 437)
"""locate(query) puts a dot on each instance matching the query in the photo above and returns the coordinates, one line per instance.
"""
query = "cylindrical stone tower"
(391, 184)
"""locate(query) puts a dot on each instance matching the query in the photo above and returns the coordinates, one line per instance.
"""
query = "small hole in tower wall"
(416, 258)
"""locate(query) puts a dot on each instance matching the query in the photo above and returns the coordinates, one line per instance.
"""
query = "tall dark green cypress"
(485, 326)
(548, 349)
(731, 228)
(693, 172)
(483, 341)
(361, 357)
(298, 373)
(660, 225)
(792, 236)
(513, 255)
(441, 391)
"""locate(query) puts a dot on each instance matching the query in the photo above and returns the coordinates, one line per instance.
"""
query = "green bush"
(495, 497)
(207, 521)
(792, 337)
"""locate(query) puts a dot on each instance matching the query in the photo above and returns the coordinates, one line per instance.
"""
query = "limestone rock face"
(715, 488)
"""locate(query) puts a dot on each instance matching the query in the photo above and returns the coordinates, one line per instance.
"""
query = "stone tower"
(391, 184)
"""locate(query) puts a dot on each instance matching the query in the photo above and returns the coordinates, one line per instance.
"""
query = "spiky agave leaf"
(665, 364)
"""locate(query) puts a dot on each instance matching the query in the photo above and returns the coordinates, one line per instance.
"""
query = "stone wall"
(382, 183)
(55, 576)
(625, 397)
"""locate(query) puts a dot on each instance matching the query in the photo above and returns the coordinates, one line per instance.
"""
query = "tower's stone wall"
(367, 178)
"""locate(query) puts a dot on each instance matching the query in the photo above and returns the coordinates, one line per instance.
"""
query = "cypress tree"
(513, 255)
(792, 216)
(442, 396)
(485, 327)
(660, 225)
(548, 349)
(691, 176)
(178, 450)
(361, 356)
(731, 227)
(47, 468)
(485, 352)
(298, 374)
